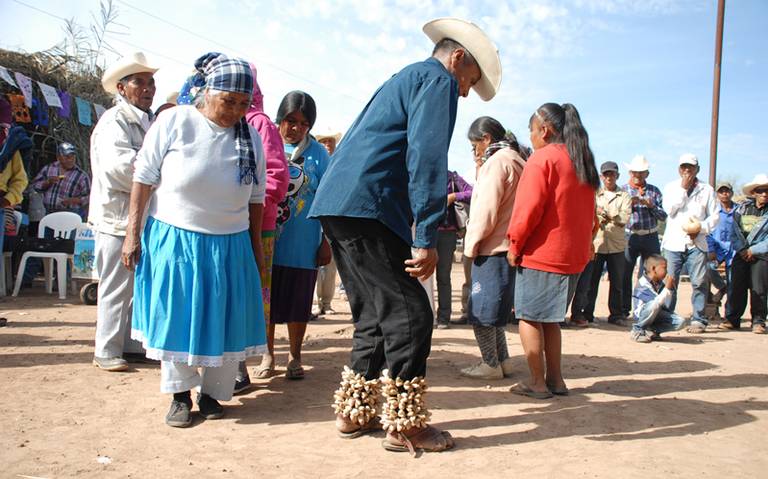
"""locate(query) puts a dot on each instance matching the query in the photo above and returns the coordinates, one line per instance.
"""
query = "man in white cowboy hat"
(643, 225)
(749, 270)
(115, 141)
(388, 175)
(693, 213)
(326, 275)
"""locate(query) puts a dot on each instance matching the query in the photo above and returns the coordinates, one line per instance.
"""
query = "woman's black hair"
(566, 122)
(485, 125)
(297, 101)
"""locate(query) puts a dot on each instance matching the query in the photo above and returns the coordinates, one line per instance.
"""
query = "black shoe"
(139, 358)
(179, 414)
(3, 322)
(242, 385)
(209, 407)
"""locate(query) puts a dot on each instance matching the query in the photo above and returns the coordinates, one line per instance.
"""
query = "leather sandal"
(428, 439)
(371, 426)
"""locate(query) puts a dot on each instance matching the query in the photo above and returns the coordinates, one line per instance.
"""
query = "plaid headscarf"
(216, 71)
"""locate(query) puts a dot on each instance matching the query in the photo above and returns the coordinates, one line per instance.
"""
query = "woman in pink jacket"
(500, 161)
(277, 187)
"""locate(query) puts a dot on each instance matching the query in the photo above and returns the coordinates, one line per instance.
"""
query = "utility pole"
(716, 93)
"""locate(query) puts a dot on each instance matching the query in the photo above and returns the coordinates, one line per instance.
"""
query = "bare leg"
(553, 353)
(296, 338)
(268, 359)
(532, 338)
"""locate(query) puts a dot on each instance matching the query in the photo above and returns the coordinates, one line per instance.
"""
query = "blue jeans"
(695, 262)
(637, 245)
(663, 321)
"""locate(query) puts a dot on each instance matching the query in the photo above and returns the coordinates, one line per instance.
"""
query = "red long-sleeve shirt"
(551, 224)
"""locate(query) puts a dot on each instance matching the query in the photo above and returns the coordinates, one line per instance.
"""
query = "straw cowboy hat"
(638, 163)
(128, 65)
(478, 44)
(759, 180)
(328, 133)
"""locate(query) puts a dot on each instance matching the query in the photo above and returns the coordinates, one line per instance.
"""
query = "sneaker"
(317, 311)
(727, 325)
(110, 364)
(696, 327)
(507, 368)
(758, 328)
(328, 310)
(209, 407)
(242, 385)
(483, 371)
(179, 414)
(442, 325)
(640, 336)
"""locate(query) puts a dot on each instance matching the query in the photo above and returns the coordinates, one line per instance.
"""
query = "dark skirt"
(291, 295)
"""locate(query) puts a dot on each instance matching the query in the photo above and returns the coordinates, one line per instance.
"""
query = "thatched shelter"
(63, 73)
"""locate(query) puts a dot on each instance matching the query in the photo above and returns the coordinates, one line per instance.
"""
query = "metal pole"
(716, 93)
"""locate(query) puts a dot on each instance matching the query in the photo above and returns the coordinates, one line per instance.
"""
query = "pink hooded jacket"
(277, 167)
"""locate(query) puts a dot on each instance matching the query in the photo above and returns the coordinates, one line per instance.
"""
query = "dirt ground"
(690, 406)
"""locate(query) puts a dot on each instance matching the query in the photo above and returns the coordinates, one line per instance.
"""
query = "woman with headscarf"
(500, 160)
(276, 188)
(300, 247)
(197, 298)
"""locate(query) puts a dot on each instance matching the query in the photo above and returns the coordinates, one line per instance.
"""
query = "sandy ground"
(690, 406)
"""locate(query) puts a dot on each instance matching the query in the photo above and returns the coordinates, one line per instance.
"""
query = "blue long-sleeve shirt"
(719, 241)
(392, 165)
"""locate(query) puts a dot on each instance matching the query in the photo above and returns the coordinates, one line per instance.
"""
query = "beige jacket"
(617, 206)
(493, 198)
(115, 141)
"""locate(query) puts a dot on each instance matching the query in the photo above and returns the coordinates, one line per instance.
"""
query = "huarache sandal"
(371, 426)
(294, 370)
(523, 389)
(428, 439)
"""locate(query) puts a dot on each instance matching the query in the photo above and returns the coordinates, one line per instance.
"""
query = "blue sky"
(640, 72)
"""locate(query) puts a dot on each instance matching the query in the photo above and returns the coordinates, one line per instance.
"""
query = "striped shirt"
(644, 217)
(74, 184)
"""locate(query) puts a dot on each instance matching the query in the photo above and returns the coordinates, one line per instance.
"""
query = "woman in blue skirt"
(197, 300)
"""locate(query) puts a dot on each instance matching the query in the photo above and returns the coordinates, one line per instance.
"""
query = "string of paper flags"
(22, 104)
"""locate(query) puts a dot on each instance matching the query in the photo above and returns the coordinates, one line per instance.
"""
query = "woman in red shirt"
(550, 238)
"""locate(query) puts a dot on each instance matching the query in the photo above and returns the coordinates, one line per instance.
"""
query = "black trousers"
(390, 309)
(752, 277)
(615, 263)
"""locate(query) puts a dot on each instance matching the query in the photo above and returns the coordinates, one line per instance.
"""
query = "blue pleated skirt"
(197, 297)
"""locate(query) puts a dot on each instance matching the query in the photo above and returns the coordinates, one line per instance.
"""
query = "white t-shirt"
(193, 164)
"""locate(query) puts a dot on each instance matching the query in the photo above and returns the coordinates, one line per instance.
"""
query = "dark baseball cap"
(609, 166)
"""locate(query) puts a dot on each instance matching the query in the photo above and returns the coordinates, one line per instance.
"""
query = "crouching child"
(651, 301)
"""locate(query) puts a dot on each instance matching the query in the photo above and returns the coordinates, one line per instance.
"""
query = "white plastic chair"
(63, 225)
(6, 265)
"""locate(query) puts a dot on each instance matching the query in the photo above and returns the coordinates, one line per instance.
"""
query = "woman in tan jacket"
(500, 161)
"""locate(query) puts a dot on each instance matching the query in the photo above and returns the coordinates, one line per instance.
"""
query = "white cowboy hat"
(759, 180)
(128, 65)
(638, 163)
(328, 133)
(478, 44)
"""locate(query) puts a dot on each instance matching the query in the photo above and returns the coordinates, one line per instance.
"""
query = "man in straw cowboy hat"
(693, 213)
(326, 275)
(749, 270)
(643, 224)
(388, 175)
(115, 141)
